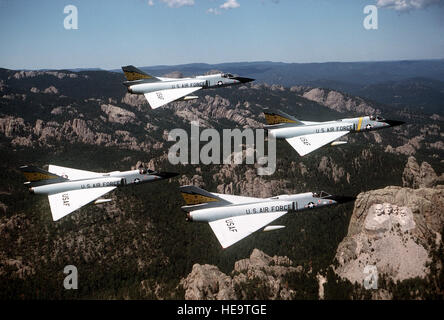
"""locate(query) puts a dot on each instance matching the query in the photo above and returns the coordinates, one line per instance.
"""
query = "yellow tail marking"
(276, 119)
(359, 123)
(37, 176)
(131, 76)
(192, 199)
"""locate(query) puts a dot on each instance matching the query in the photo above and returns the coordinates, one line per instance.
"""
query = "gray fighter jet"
(70, 189)
(160, 91)
(307, 136)
(233, 218)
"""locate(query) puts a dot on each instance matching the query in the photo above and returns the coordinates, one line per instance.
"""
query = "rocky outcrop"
(32, 74)
(196, 180)
(117, 114)
(215, 108)
(135, 100)
(208, 282)
(248, 183)
(51, 90)
(14, 266)
(298, 89)
(276, 87)
(75, 130)
(328, 167)
(415, 176)
(437, 145)
(392, 229)
(11, 126)
(409, 148)
(338, 101)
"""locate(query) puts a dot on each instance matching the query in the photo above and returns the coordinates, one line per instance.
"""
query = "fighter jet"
(70, 189)
(233, 218)
(160, 91)
(307, 136)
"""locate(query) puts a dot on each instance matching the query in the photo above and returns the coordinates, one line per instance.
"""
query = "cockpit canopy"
(227, 75)
(376, 118)
(321, 194)
(145, 171)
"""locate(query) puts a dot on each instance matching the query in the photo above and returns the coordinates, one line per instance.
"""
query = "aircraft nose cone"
(166, 175)
(243, 80)
(341, 199)
(393, 123)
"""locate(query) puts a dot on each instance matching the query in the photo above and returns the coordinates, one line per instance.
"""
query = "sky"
(112, 33)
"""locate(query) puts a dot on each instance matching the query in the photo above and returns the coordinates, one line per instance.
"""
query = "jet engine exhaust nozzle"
(394, 123)
(166, 175)
(341, 199)
(243, 79)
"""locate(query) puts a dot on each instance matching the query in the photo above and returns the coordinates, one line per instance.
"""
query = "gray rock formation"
(215, 108)
(392, 229)
(32, 74)
(338, 101)
(11, 126)
(409, 148)
(51, 90)
(247, 184)
(42, 133)
(135, 100)
(117, 114)
(415, 176)
(208, 282)
(331, 169)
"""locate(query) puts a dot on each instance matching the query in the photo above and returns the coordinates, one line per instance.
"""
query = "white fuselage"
(349, 124)
(115, 178)
(281, 203)
(208, 81)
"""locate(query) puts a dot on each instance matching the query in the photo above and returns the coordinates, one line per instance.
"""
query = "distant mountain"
(85, 69)
(418, 85)
(289, 74)
(420, 94)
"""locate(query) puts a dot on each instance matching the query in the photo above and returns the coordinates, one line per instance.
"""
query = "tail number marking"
(65, 199)
(230, 225)
(305, 141)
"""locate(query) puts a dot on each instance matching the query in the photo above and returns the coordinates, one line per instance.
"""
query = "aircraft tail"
(197, 198)
(38, 177)
(279, 117)
(133, 74)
